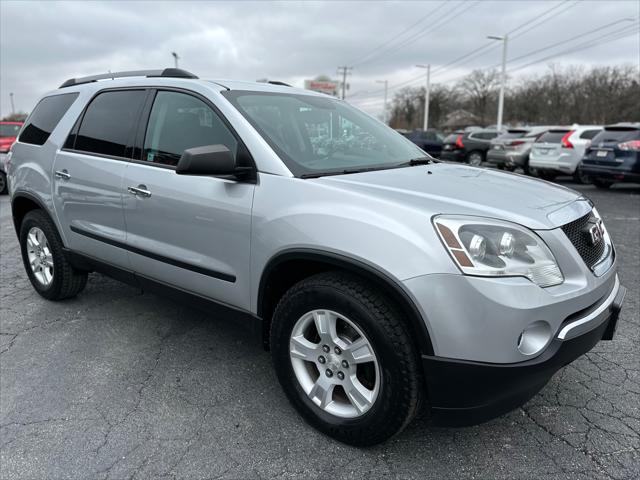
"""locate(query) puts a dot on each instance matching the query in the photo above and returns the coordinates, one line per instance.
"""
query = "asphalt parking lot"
(116, 384)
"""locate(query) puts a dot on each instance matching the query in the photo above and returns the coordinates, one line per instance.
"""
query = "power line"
(375, 50)
(437, 23)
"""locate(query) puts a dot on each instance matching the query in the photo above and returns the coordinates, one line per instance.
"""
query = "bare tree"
(480, 90)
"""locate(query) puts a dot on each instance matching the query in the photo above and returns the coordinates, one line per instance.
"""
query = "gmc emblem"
(596, 232)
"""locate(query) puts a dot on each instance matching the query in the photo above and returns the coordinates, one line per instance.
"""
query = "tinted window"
(616, 135)
(484, 135)
(179, 121)
(9, 129)
(45, 117)
(109, 123)
(589, 134)
(554, 136)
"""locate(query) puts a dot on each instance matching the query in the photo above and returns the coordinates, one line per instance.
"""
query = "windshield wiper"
(345, 171)
(416, 161)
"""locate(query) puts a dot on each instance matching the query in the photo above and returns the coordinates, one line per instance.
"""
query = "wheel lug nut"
(321, 359)
(337, 350)
(329, 373)
(326, 348)
(345, 364)
(340, 375)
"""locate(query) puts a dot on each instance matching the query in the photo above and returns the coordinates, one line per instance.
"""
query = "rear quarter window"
(45, 117)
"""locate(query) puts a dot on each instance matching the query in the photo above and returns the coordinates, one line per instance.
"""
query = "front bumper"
(465, 392)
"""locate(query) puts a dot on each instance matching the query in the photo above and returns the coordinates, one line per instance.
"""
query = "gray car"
(512, 149)
(382, 281)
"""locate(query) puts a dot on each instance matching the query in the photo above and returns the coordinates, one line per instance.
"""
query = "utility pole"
(175, 58)
(13, 108)
(503, 79)
(386, 86)
(427, 93)
(344, 71)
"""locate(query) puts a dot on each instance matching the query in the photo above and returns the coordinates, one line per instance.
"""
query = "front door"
(192, 232)
(88, 176)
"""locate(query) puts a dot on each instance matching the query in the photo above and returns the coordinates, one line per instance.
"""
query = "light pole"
(13, 108)
(386, 86)
(503, 80)
(427, 92)
(175, 58)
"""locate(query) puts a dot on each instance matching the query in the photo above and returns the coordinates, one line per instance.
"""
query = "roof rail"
(276, 82)
(167, 72)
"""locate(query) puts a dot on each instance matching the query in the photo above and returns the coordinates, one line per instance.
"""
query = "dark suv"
(430, 141)
(614, 155)
(469, 147)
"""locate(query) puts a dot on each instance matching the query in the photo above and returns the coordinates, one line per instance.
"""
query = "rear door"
(89, 171)
(192, 232)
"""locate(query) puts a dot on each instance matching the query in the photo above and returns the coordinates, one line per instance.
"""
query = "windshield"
(315, 135)
(9, 130)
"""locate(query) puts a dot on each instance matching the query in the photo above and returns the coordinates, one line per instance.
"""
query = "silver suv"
(381, 280)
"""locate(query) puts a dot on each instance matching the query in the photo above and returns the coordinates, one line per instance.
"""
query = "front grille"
(578, 233)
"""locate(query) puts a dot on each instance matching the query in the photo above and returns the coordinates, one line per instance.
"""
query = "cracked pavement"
(115, 384)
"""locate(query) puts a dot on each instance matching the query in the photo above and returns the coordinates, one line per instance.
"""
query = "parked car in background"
(470, 147)
(560, 150)
(614, 156)
(511, 149)
(8, 133)
(430, 141)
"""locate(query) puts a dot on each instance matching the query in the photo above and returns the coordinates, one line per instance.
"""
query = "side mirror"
(215, 160)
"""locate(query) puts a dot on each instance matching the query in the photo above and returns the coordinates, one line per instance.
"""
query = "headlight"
(493, 248)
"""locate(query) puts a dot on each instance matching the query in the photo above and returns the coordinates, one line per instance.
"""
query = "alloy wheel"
(334, 363)
(40, 256)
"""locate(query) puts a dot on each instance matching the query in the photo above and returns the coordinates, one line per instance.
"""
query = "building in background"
(323, 84)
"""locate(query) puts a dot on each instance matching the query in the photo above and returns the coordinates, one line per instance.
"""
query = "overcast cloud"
(44, 43)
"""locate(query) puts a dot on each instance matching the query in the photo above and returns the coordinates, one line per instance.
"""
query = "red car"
(8, 133)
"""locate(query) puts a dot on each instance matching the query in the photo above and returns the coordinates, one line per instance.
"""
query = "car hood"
(444, 188)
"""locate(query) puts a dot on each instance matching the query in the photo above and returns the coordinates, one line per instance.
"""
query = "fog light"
(534, 338)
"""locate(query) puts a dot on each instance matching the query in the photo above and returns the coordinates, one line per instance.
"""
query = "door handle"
(140, 190)
(63, 174)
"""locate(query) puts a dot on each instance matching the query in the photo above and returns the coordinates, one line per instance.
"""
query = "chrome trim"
(583, 325)
(139, 190)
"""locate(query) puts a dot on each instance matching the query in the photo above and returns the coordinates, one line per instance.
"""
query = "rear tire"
(43, 256)
(397, 384)
(3, 183)
(603, 184)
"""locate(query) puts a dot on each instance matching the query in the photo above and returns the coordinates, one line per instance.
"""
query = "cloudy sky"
(44, 43)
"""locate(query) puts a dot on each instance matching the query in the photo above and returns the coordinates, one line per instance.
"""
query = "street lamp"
(503, 80)
(175, 58)
(427, 89)
(386, 86)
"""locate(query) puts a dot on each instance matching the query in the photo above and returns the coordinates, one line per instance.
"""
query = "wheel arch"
(21, 204)
(291, 266)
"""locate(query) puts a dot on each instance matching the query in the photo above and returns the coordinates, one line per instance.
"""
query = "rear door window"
(109, 123)
(179, 121)
(554, 136)
(45, 117)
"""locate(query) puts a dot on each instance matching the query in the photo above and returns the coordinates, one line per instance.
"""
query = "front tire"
(48, 269)
(345, 360)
